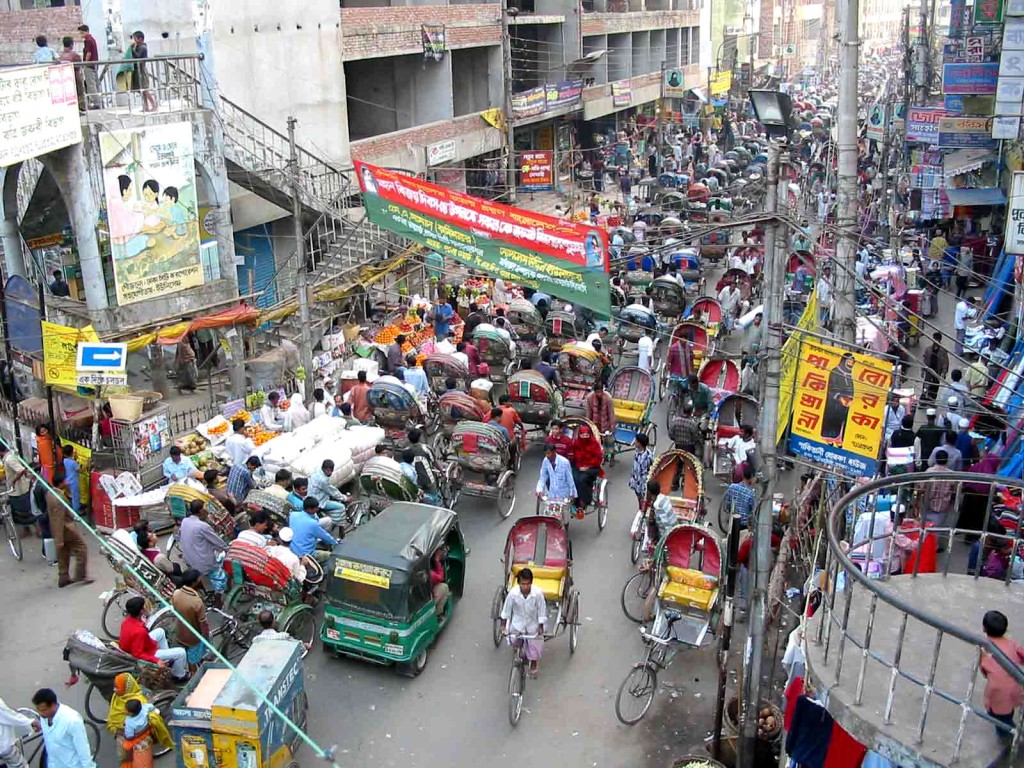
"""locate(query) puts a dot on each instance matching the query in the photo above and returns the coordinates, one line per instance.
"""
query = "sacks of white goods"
(344, 473)
(309, 461)
(362, 442)
(282, 450)
(321, 428)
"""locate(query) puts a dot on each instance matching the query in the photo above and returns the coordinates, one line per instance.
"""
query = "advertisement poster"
(970, 78)
(535, 171)
(923, 124)
(877, 119)
(963, 132)
(838, 410)
(721, 83)
(790, 357)
(38, 112)
(434, 44)
(565, 94)
(563, 258)
(988, 11)
(674, 86)
(150, 436)
(1015, 215)
(152, 212)
(529, 103)
(622, 93)
(60, 349)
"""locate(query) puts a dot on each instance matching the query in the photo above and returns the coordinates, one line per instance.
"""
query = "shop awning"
(966, 160)
(698, 93)
(983, 196)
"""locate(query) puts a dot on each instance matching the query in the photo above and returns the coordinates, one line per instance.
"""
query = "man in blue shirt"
(240, 480)
(495, 421)
(300, 487)
(739, 497)
(555, 475)
(177, 467)
(416, 376)
(331, 500)
(308, 531)
(442, 318)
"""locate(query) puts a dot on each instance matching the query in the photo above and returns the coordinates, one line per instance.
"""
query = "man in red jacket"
(138, 641)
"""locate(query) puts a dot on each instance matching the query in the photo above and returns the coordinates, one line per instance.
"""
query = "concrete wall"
(377, 32)
(167, 25)
(18, 30)
(406, 149)
(473, 79)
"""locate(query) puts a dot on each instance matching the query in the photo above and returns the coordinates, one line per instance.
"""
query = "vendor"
(177, 467)
(394, 354)
(271, 413)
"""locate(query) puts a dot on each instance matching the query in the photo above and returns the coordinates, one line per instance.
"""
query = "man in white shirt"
(13, 726)
(525, 611)
(284, 553)
(239, 445)
(741, 446)
(824, 291)
(645, 351)
(255, 534)
(966, 309)
(271, 413)
(729, 298)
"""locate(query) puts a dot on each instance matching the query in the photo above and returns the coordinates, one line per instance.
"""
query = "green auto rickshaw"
(381, 604)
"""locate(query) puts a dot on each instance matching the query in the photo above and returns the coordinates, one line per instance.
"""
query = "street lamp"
(773, 110)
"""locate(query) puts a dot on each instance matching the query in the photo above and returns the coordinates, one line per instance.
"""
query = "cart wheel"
(496, 622)
(506, 494)
(574, 622)
(302, 626)
(634, 595)
(97, 706)
(414, 667)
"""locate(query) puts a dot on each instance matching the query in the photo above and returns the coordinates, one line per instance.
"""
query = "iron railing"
(157, 84)
(840, 642)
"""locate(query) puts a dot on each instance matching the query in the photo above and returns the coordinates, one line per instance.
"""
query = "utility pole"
(843, 305)
(305, 330)
(924, 56)
(775, 265)
(506, 53)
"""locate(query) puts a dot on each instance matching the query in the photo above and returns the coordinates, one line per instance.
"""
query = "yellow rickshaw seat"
(548, 579)
(629, 411)
(689, 587)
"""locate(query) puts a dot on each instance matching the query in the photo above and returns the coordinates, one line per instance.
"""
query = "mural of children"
(127, 223)
(173, 212)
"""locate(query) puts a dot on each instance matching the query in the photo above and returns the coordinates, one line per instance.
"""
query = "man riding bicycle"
(524, 612)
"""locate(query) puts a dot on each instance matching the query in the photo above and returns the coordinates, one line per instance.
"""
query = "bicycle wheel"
(637, 546)
(113, 613)
(516, 689)
(636, 694)
(238, 639)
(635, 593)
(13, 539)
(97, 706)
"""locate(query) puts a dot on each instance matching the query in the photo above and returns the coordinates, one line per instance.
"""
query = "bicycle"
(11, 529)
(642, 681)
(32, 746)
(517, 676)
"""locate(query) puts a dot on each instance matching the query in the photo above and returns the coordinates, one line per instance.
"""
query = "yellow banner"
(60, 347)
(790, 358)
(361, 573)
(839, 404)
(721, 83)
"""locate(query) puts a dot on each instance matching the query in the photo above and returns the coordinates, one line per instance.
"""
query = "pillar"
(10, 237)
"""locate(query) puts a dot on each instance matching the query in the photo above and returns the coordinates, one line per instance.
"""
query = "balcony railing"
(157, 84)
(857, 577)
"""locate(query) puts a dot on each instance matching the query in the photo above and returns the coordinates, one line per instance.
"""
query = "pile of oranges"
(220, 429)
(260, 435)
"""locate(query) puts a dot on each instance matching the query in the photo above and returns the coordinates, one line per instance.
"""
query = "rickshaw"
(732, 412)
(382, 481)
(672, 200)
(706, 311)
(562, 327)
(560, 508)
(453, 407)
(720, 374)
(688, 572)
(126, 564)
(439, 368)
(687, 262)
(714, 244)
(486, 450)
(535, 399)
(631, 324)
(529, 327)
(632, 390)
(258, 582)
(541, 544)
(681, 477)
(180, 496)
(580, 366)
(669, 298)
(702, 348)
(277, 509)
(218, 721)
(396, 410)
(379, 604)
(496, 351)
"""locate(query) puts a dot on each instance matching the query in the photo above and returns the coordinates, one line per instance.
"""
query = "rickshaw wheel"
(641, 683)
(440, 446)
(506, 494)
(496, 605)
(651, 430)
(97, 706)
(602, 509)
(414, 667)
(634, 552)
(302, 626)
(574, 620)
(634, 595)
(662, 382)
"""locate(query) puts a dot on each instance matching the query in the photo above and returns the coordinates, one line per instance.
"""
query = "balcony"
(370, 33)
(900, 655)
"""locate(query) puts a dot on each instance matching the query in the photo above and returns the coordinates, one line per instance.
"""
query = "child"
(642, 461)
(1002, 693)
(173, 211)
(137, 721)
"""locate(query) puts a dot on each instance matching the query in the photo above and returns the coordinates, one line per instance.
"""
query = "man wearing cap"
(936, 365)
(929, 437)
(965, 444)
(950, 420)
(956, 387)
(280, 550)
(966, 309)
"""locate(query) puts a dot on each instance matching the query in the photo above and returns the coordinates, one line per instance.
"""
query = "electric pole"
(506, 53)
(305, 330)
(843, 305)
(924, 57)
(776, 251)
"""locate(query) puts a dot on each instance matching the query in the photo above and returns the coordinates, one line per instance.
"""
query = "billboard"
(970, 79)
(838, 408)
(963, 132)
(562, 258)
(1015, 216)
(38, 112)
(674, 84)
(622, 93)
(535, 170)
(547, 98)
(152, 210)
(923, 124)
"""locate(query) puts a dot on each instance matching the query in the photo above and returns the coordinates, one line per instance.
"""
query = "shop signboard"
(923, 124)
(1005, 128)
(529, 103)
(535, 170)
(60, 349)
(954, 105)
(1015, 216)
(1015, 7)
(441, 152)
(674, 86)
(970, 78)
(988, 11)
(567, 94)
(152, 210)
(721, 83)
(622, 93)
(563, 258)
(38, 112)
(838, 408)
(974, 49)
(957, 13)
(962, 132)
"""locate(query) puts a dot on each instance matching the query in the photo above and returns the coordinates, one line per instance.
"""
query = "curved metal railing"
(874, 557)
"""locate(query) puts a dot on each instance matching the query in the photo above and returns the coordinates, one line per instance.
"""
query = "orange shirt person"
(357, 397)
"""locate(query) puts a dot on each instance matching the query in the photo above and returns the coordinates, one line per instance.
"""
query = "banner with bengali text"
(565, 259)
(790, 357)
(839, 408)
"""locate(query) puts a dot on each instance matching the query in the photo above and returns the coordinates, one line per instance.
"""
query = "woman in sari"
(587, 456)
(136, 733)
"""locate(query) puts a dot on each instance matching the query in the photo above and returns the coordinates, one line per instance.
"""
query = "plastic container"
(126, 407)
